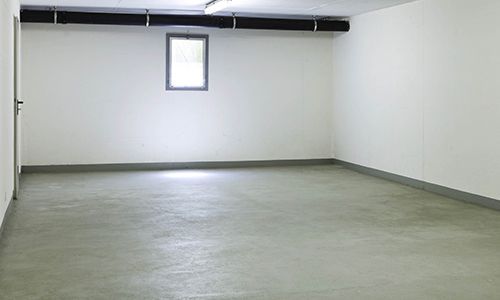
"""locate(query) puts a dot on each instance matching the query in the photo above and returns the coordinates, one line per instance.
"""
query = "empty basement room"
(249, 149)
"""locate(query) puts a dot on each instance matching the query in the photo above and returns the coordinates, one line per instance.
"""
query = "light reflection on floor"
(187, 174)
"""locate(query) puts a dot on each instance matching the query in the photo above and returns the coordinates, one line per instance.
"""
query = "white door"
(17, 104)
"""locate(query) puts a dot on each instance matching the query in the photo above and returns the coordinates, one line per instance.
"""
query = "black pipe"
(72, 17)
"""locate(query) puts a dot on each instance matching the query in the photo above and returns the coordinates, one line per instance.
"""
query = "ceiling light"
(216, 6)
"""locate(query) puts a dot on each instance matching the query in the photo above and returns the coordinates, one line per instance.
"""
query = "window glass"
(187, 63)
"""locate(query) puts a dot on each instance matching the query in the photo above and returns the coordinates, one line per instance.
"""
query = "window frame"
(203, 37)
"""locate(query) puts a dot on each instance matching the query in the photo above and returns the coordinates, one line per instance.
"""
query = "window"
(187, 62)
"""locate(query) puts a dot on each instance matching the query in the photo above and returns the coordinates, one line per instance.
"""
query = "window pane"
(187, 63)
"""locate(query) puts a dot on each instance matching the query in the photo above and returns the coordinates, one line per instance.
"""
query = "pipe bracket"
(55, 15)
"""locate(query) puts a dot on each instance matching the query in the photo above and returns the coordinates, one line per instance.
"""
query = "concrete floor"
(319, 232)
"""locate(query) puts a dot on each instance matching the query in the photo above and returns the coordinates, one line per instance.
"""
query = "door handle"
(18, 105)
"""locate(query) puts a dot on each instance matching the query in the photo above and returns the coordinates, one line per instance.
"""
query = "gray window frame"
(204, 37)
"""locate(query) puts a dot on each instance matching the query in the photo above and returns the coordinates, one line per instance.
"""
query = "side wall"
(416, 93)
(8, 8)
(96, 94)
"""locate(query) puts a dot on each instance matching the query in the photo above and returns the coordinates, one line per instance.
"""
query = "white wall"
(96, 94)
(416, 92)
(8, 8)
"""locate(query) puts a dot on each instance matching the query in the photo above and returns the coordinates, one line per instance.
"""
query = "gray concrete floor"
(319, 232)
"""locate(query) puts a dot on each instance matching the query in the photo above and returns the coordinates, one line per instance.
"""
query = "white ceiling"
(282, 7)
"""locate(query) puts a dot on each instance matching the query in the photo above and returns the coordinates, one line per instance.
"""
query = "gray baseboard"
(173, 166)
(430, 187)
(7, 213)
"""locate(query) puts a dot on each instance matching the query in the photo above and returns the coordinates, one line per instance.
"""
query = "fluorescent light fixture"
(216, 6)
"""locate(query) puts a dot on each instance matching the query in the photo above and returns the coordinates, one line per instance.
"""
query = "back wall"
(96, 94)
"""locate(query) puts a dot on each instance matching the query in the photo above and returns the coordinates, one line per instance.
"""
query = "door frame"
(17, 103)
